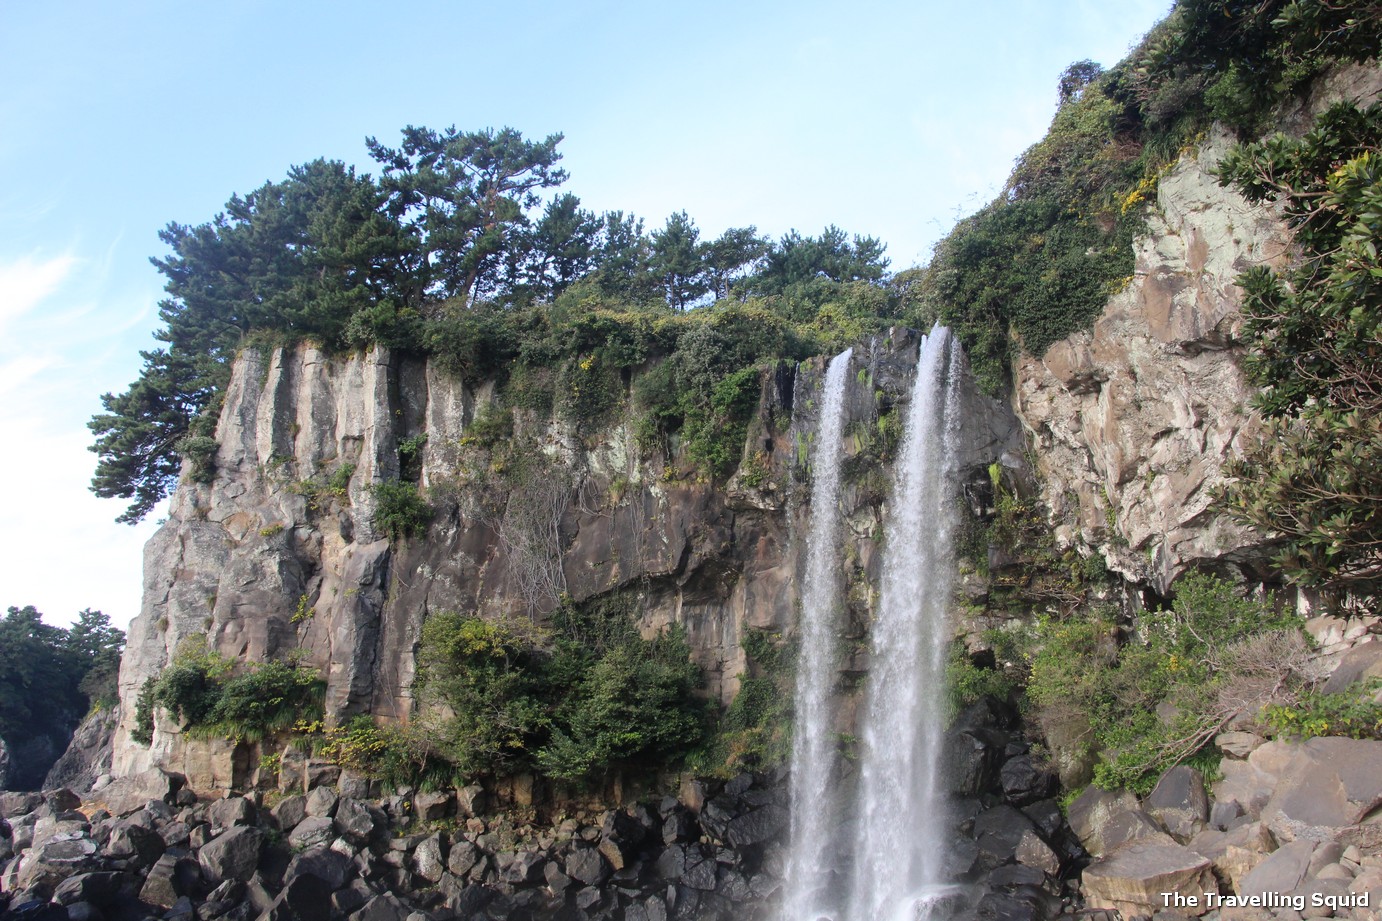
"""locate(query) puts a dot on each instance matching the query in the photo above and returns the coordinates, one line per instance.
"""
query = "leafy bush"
(398, 756)
(1352, 712)
(400, 511)
(202, 690)
(1315, 476)
(755, 731)
(588, 696)
(1200, 662)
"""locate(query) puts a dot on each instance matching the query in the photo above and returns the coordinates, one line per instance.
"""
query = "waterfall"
(809, 865)
(901, 825)
(892, 847)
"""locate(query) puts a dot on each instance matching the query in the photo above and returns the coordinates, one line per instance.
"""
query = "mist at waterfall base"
(880, 854)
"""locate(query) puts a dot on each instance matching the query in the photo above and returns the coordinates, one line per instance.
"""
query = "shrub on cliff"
(584, 697)
(212, 699)
(1158, 698)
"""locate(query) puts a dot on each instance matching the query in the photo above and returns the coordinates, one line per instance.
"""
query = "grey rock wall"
(268, 558)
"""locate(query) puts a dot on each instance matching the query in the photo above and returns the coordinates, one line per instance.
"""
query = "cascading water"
(809, 866)
(899, 820)
(899, 850)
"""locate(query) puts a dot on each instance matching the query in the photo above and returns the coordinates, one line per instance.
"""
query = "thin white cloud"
(27, 281)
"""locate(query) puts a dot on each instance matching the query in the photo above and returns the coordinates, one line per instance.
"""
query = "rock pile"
(1292, 829)
(150, 849)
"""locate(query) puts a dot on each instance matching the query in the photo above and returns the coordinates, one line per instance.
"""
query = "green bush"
(200, 689)
(588, 696)
(400, 511)
(1087, 685)
(755, 731)
(1352, 712)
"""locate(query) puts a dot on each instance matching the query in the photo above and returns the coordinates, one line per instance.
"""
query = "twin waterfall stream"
(876, 851)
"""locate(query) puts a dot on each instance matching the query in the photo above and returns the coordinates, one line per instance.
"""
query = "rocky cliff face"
(1133, 421)
(280, 551)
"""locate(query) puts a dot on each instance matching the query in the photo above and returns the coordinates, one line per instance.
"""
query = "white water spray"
(901, 822)
(810, 864)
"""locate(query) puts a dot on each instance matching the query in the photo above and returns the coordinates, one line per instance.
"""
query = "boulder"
(429, 858)
(1091, 812)
(1033, 852)
(303, 898)
(1238, 744)
(471, 800)
(331, 867)
(233, 854)
(525, 869)
(757, 826)
(464, 855)
(1280, 872)
(386, 907)
(289, 812)
(1358, 664)
(171, 878)
(55, 860)
(1179, 802)
(1023, 782)
(1327, 785)
(322, 802)
(17, 804)
(431, 807)
(231, 812)
(1133, 878)
(357, 821)
(588, 867)
(128, 794)
(312, 831)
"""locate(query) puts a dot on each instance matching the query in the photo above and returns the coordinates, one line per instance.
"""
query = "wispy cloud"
(27, 281)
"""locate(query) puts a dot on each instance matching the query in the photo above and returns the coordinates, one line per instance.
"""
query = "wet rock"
(1023, 783)
(757, 826)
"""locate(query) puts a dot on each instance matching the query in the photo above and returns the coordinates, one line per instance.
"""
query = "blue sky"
(891, 119)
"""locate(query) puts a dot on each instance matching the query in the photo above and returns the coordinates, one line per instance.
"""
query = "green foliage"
(1039, 572)
(51, 676)
(1089, 686)
(967, 682)
(1353, 712)
(400, 511)
(1315, 476)
(755, 731)
(398, 756)
(410, 456)
(1040, 262)
(587, 697)
(486, 675)
(204, 692)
